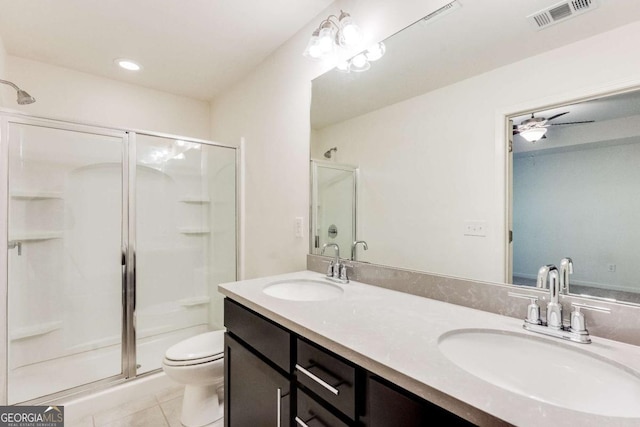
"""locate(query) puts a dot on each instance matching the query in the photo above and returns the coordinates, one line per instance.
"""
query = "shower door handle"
(15, 244)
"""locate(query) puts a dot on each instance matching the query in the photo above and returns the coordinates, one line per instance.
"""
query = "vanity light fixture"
(333, 34)
(128, 64)
(533, 134)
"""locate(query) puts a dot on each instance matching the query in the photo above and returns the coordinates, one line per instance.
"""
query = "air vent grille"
(560, 12)
(581, 4)
(449, 7)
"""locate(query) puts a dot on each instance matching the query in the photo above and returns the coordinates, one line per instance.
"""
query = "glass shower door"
(185, 210)
(333, 211)
(65, 256)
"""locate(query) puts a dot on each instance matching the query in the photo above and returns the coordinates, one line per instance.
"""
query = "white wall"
(447, 138)
(76, 96)
(270, 109)
(596, 189)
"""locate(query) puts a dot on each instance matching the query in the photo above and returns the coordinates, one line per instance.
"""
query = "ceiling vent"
(439, 13)
(560, 12)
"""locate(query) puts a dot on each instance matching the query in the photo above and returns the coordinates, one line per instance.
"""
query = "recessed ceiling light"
(128, 64)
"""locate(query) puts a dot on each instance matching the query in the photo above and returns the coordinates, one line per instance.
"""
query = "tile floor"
(155, 410)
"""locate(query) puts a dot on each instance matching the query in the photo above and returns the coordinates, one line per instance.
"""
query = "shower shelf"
(193, 301)
(189, 230)
(35, 331)
(36, 235)
(35, 195)
(195, 199)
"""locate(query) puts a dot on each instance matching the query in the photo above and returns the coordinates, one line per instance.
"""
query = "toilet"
(198, 363)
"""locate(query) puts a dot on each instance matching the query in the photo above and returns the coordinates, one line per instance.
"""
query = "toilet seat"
(202, 348)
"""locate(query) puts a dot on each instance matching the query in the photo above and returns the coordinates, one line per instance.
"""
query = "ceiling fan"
(534, 128)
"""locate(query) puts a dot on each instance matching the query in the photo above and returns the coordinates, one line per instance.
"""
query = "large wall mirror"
(428, 128)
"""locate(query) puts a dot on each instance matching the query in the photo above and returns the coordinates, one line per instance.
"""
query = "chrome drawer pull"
(279, 416)
(319, 380)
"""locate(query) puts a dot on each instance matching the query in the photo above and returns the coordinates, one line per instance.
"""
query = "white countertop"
(395, 335)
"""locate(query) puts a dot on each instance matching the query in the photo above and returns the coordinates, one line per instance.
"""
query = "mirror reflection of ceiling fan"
(535, 128)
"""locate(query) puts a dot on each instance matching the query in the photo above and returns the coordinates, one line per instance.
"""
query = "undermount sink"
(554, 373)
(303, 290)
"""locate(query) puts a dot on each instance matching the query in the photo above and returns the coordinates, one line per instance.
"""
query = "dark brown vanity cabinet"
(255, 394)
(275, 378)
(257, 370)
(389, 405)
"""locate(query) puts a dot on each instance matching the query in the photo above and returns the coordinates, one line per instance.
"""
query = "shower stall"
(115, 243)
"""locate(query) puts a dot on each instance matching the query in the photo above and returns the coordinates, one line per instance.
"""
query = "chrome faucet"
(554, 308)
(353, 248)
(336, 271)
(566, 268)
(576, 331)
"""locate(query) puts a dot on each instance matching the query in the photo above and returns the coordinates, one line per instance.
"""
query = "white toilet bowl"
(198, 363)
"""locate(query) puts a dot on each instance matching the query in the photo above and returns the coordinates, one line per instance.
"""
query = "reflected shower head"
(23, 97)
(327, 154)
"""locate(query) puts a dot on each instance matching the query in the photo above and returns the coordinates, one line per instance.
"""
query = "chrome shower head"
(327, 154)
(23, 97)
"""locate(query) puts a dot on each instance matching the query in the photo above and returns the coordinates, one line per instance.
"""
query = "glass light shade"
(376, 51)
(326, 41)
(350, 33)
(533, 135)
(359, 63)
(344, 66)
(313, 47)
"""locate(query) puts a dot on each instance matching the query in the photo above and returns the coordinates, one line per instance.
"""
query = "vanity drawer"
(328, 376)
(311, 413)
(261, 334)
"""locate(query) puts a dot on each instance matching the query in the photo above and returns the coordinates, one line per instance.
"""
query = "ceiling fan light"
(533, 134)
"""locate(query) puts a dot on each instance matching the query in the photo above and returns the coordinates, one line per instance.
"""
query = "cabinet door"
(256, 395)
(390, 406)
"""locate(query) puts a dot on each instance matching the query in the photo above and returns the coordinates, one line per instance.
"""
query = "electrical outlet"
(611, 268)
(475, 228)
(299, 231)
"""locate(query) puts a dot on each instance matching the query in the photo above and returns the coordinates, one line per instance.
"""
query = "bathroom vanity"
(368, 356)
(277, 377)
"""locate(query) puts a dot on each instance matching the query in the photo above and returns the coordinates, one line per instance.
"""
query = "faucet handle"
(330, 269)
(343, 272)
(578, 323)
(533, 309)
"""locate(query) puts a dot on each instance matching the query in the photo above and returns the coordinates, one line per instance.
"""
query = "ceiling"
(193, 48)
(476, 38)
(614, 118)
